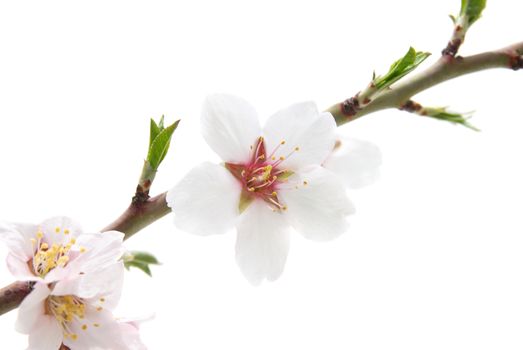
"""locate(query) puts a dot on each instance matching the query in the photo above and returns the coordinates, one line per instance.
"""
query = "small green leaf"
(400, 68)
(155, 130)
(160, 145)
(140, 260)
(442, 113)
(472, 9)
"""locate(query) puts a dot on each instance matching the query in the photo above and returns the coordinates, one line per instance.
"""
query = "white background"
(433, 259)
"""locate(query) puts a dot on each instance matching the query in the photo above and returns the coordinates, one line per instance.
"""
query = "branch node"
(350, 106)
(410, 106)
(516, 62)
(452, 47)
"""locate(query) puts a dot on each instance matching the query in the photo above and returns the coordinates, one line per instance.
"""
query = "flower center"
(45, 257)
(67, 309)
(262, 176)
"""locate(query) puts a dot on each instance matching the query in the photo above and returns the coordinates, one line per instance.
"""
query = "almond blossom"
(271, 181)
(77, 283)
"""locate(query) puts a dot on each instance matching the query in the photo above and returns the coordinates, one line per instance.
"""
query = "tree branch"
(446, 68)
(141, 213)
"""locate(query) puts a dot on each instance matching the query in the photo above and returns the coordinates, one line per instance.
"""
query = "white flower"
(76, 313)
(271, 180)
(78, 281)
(57, 249)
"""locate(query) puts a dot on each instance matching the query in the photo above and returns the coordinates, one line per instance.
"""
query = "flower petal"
(20, 269)
(302, 126)
(60, 230)
(103, 287)
(92, 253)
(357, 162)
(17, 238)
(262, 244)
(206, 200)
(230, 126)
(32, 308)
(47, 336)
(131, 336)
(319, 206)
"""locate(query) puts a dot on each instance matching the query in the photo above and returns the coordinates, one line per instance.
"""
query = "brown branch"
(446, 68)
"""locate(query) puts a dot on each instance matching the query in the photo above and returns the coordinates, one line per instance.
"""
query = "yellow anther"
(102, 300)
(282, 142)
(83, 250)
(96, 325)
(305, 183)
(72, 241)
(282, 158)
(73, 336)
(273, 158)
(99, 308)
(274, 194)
(296, 148)
(39, 235)
(261, 138)
(66, 232)
(44, 246)
(284, 207)
(84, 327)
(250, 189)
(57, 230)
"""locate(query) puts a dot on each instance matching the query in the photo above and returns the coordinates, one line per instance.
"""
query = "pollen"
(96, 325)
(66, 232)
(274, 194)
(99, 308)
(282, 158)
(296, 148)
(83, 250)
(305, 183)
(39, 235)
(74, 336)
(84, 327)
(102, 300)
(282, 142)
(57, 230)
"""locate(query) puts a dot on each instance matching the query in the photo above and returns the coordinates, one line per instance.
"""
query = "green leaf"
(160, 145)
(140, 260)
(400, 68)
(442, 113)
(155, 130)
(472, 9)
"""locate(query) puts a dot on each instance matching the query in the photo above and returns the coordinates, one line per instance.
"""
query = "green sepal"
(159, 142)
(140, 260)
(472, 9)
(245, 200)
(400, 68)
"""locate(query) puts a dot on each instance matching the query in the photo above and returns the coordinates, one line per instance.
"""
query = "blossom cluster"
(290, 175)
(77, 281)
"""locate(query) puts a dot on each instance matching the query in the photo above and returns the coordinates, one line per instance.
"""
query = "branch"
(143, 212)
(446, 68)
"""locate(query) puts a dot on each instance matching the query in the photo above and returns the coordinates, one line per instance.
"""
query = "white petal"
(302, 126)
(262, 244)
(47, 336)
(17, 238)
(357, 162)
(59, 230)
(230, 126)
(318, 210)
(101, 331)
(131, 336)
(101, 251)
(32, 308)
(20, 269)
(206, 200)
(106, 284)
